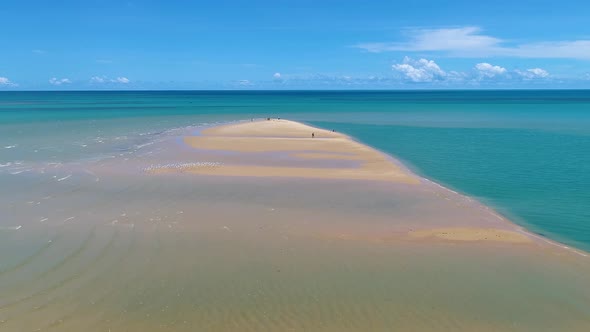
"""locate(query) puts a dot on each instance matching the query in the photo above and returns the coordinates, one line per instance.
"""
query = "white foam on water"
(181, 166)
(64, 178)
(496, 215)
(144, 145)
(10, 228)
(554, 243)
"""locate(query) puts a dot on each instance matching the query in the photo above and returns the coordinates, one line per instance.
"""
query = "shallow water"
(90, 241)
(177, 252)
(524, 152)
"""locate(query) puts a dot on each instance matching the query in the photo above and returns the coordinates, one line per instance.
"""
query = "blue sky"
(302, 44)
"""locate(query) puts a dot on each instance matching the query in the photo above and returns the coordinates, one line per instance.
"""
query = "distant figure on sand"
(312, 135)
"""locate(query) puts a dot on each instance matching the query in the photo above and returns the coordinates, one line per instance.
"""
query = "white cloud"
(104, 79)
(569, 49)
(428, 71)
(437, 40)
(411, 73)
(6, 82)
(471, 42)
(97, 79)
(485, 69)
(39, 51)
(59, 81)
(422, 70)
(277, 75)
(533, 73)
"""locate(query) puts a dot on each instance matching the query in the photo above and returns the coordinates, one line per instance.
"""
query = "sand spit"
(289, 149)
(269, 140)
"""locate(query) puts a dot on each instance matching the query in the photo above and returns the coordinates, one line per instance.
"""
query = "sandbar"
(269, 140)
(471, 234)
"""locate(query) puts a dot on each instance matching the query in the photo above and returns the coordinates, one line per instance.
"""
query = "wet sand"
(134, 245)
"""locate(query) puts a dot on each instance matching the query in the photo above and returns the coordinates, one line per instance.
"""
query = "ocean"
(525, 153)
(92, 240)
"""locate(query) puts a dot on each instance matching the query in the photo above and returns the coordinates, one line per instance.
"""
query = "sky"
(298, 44)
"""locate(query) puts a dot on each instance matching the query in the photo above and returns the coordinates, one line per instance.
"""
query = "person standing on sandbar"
(312, 135)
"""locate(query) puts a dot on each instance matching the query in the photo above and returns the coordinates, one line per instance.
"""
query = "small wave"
(10, 147)
(64, 178)
(144, 145)
(10, 228)
(181, 166)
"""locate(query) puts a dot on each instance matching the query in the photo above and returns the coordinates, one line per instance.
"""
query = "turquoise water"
(527, 153)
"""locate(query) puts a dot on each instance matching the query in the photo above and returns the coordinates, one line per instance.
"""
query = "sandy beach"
(293, 141)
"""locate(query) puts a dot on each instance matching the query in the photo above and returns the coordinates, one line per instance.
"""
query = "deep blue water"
(526, 153)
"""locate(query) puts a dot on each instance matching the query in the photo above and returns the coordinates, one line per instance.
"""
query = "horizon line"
(306, 90)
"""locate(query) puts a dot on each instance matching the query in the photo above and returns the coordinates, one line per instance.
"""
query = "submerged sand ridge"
(472, 234)
(271, 140)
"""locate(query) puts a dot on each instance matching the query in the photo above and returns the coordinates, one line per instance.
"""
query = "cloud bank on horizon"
(318, 45)
(423, 70)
